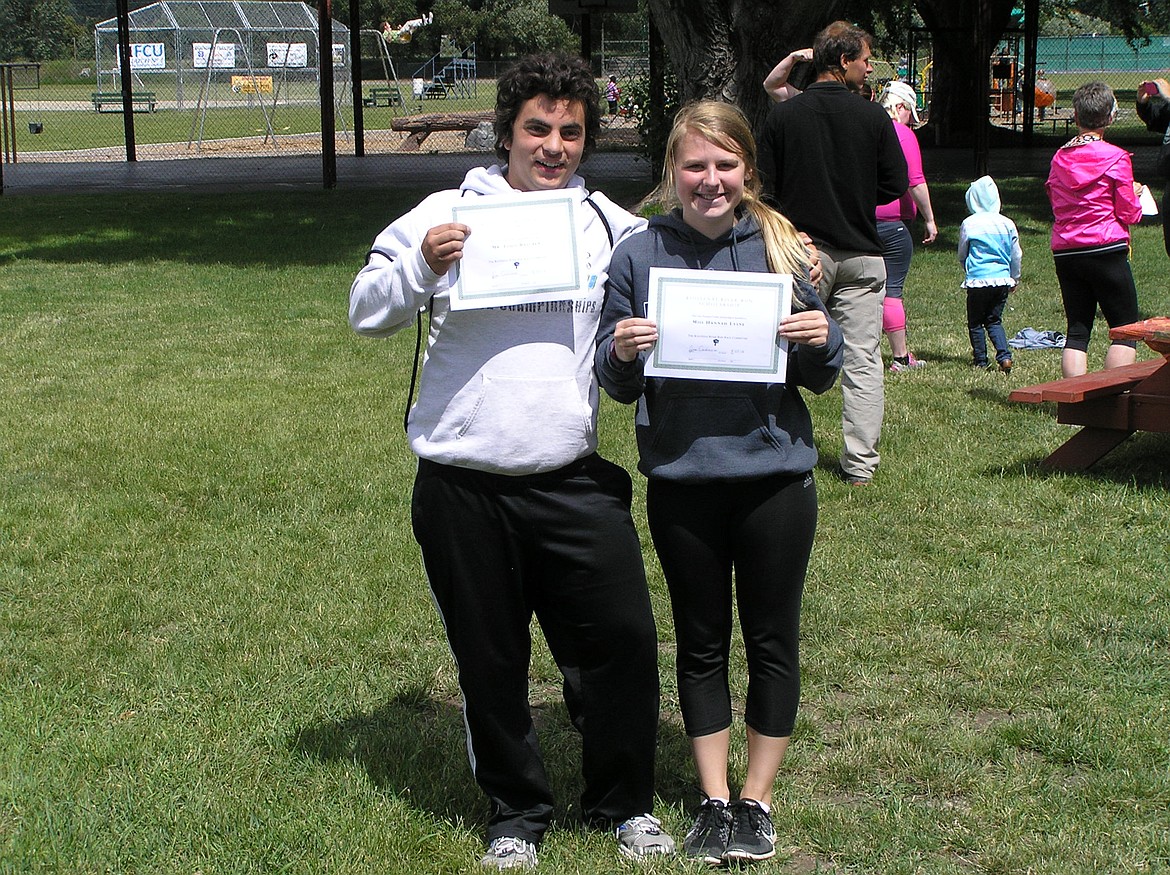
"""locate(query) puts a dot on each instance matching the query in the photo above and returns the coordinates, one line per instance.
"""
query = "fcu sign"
(148, 56)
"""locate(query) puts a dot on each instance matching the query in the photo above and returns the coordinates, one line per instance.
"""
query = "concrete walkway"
(281, 173)
(431, 170)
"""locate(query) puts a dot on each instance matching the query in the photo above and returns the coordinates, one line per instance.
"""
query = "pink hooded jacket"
(1090, 187)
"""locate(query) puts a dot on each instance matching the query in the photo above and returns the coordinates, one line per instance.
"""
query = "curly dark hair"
(556, 75)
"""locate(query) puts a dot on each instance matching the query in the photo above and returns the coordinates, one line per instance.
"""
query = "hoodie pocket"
(525, 417)
(712, 424)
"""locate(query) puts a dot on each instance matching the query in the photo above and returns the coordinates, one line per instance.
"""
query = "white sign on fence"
(288, 55)
(148, 56)
(225, 55)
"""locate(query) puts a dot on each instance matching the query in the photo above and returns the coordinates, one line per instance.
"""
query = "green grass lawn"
(218, 653)
(223, 115)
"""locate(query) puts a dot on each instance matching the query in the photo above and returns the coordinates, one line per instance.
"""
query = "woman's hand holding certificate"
(719, 325)
(632, 336)
(808, 327)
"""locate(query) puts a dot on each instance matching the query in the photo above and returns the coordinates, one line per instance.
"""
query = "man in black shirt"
(828, 159)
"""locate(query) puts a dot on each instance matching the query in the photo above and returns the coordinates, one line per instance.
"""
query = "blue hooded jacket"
(989, 244)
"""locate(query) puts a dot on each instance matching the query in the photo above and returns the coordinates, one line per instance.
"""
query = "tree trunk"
(724, 48)
(963, 33)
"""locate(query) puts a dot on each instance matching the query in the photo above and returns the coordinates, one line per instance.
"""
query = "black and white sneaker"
(752, 835)
(707, 839)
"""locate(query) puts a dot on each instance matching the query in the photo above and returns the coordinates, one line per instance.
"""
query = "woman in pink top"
(893, 223)
(1094, 201)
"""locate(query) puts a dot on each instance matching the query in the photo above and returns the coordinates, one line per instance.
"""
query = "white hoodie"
(509, 390)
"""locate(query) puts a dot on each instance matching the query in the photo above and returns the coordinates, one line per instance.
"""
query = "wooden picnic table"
(1110, 404)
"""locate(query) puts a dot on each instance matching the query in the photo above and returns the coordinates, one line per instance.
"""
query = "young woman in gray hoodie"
(729, 466)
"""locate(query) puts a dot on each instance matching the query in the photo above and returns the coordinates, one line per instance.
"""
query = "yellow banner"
(251, 84)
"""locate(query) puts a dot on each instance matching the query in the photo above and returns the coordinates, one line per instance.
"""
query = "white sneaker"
(642, 836)
(507, 852)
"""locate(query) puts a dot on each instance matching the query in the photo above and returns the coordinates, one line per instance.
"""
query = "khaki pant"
(853, 288)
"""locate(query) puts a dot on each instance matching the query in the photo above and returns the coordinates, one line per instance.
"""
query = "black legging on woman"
(764, 530)
(1096, 277)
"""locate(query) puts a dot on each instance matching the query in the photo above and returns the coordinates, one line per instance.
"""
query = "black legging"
(1091, 278)
(764, 529)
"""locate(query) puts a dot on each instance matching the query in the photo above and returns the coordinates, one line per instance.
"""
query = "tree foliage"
(36, 30)
(513, 27)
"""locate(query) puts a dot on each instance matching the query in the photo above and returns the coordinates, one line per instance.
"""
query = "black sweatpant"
(764, 530)
(562, 546)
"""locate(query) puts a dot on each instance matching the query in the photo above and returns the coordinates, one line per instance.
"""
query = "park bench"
(111, 101)
(436, 90)
(422, 126)
(382, 97)
(1059, 117)
(1110, 404)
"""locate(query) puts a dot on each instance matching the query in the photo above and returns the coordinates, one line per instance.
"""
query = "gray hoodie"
(509, 390)
(696, 431)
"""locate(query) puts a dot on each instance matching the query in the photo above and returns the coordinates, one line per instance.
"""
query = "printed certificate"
(522, 249)
(719, 325)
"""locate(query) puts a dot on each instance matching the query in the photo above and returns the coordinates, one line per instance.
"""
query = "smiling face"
(546, 143)
(709, 181)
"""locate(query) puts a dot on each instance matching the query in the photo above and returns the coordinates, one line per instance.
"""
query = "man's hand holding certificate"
(719, 325)
(521, 249)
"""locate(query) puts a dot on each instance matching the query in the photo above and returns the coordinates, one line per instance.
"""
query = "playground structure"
(434, 79)
(14, 77)
(438, 80)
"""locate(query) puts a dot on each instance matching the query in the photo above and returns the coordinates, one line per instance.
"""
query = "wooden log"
(422, 126)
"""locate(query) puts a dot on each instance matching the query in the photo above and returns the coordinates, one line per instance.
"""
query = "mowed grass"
(218, 653)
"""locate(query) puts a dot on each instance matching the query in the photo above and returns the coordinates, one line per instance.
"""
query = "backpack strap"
(604, 220)
(414, 364)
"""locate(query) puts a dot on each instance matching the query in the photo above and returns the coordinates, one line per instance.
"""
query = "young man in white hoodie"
(514, 510)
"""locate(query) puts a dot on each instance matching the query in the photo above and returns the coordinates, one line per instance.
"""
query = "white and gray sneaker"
(642, 836)
(507, 852)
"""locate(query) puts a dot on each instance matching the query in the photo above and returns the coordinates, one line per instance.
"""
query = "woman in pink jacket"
(1094, 201)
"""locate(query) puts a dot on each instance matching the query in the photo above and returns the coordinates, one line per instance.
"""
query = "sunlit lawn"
(218, 652)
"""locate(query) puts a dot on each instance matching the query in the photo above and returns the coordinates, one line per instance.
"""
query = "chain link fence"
(243, 79)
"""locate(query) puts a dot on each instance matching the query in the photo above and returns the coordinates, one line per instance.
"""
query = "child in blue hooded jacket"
(989, 250)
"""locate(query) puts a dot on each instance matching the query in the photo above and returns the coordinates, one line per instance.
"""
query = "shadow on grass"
(414, 748)
(276, 229)
(244, 229)
(996, 396)
(1143, 460)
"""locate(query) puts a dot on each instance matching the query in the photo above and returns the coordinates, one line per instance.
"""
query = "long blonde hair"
(726, 126)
